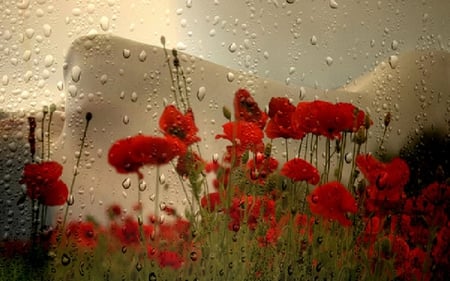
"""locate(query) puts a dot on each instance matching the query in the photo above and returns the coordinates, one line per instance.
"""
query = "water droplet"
(26, 55)
(124, 249)
(142, 185)
(230, 76)
(103, 79)
(47, 30)
(24, 4)
(193, 256)
(142, 56)
(302, 93)
(126, 183)
(29, 32)
(333, 4)
(70, 200)
(60, 85)
(232, 47)
(152, 275)
(215, 157)
(134, 97)
(76, 73)
(313, 40)
(394, 45)
(290, 1)
(188, 3)
(348, 157)
(48, 60)
(291, 70)
(104, 23)
(138, 266)
(315, 199)
(65, 259)
(201, 93)
(5, 80)
(162, 179)
(126, 53)
(181, 46)
(73, 90)
(393, 61)
(126, 119)
(329, 61)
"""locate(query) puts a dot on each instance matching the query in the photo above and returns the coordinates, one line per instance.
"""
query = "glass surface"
(219, 140)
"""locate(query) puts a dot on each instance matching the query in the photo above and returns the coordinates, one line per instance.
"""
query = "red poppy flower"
(317, 117)
(175, 231)
(349, 118)
(244, 136)
(326, 119)
(387, 181)
(255, 209)
(130, 154)
(298, 169)
(129, 233)
(170, 259)
(43, 183)
(211, 201)
(114, 211)
(332, 201)
(173, 123)
(246, 109)
(280, 122)
(84, 233)
(259, 167)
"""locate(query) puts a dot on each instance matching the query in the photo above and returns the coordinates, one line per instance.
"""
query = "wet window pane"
(211, 140)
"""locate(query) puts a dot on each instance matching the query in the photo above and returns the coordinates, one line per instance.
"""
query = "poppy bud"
(367, 121)
(387, 119)
(360, 136)
(88, 116)
(163, 40)
(268, 150)
(45, 109)
(226, 113)
(52, 107)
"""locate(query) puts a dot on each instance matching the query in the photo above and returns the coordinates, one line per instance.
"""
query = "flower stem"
(75, 173)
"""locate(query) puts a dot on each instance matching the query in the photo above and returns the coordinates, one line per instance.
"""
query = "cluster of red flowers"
(131, 154)
(407, 224)
(44, 184)
(167, 244)
(380, 203)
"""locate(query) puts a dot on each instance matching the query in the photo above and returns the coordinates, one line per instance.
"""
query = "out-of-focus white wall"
(314, 43)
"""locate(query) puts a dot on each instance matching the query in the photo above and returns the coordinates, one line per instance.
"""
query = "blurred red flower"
(298, 169)
(84, 233)
(259, 167)
(280, 122)
(173, 123)
(332, 201)
(130, 154)
(246, 109)
(244, 136)
(211, 201)
(327, 119)
(255, 208)
(43, 183)
(170, 259)
(387, 181)
(128, 232)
